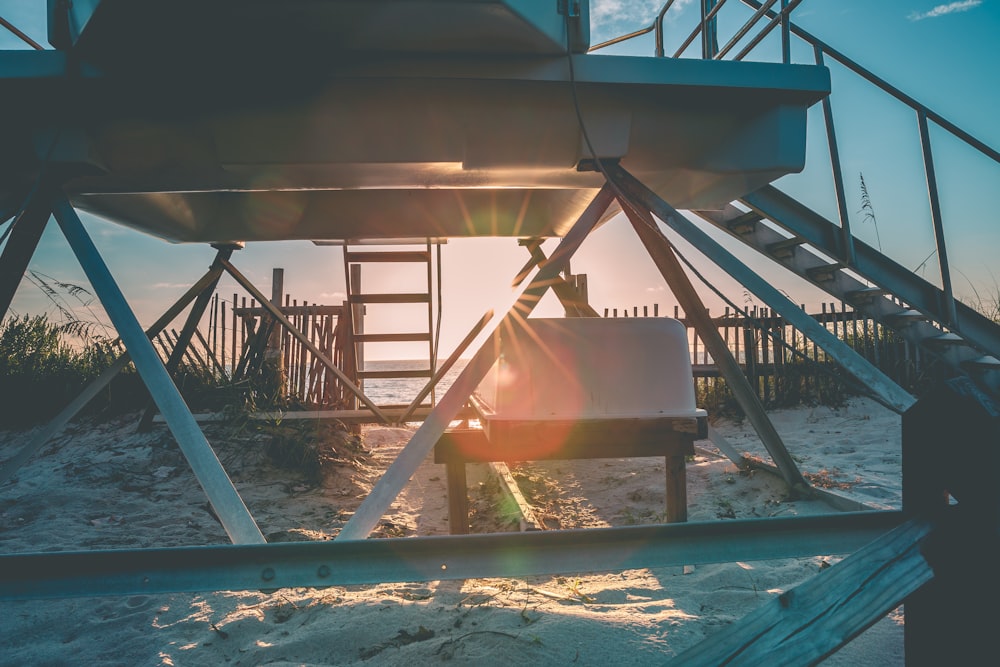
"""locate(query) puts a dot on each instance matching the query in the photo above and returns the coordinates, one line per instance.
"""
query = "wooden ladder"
(355, 257)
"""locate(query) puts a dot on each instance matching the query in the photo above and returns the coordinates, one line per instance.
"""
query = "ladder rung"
(394, 375)
(389, 298)
(389, 256)
(391, 337)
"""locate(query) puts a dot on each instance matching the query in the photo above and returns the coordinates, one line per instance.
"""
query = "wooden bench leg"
(677, 510)
(458, 498)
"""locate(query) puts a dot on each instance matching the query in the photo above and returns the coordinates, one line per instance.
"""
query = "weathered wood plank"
(811, 621)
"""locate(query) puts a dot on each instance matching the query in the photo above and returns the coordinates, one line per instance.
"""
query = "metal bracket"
(570, 8)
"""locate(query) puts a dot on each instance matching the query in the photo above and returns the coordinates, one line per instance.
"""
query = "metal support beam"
(187, 332)
(416, 450)
(326, 563)
(26, 230)
(228, 505)
(660, 250)
(58, 423)
(888, 392)
(302, 338)
(573, 305)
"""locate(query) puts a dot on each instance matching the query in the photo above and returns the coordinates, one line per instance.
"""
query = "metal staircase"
(804, 242)
(825, 253)
(355, 257)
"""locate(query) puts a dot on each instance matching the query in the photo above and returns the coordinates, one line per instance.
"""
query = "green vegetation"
(40, 372)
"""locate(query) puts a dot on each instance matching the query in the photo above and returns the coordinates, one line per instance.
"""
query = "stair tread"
(792, 242)
(947, 339)
(987, 360)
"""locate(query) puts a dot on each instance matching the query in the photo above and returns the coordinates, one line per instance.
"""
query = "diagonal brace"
(883, 388)
(302, 338)
(660, 250)
(56, 425)
(223, 252)
(423, 440)
(233, 514)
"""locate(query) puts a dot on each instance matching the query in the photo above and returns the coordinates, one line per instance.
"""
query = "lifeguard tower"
(230, 121)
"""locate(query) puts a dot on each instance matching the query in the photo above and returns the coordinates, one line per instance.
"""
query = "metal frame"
(371, 510)
(232, 512)
(887, 391)
(341, 563)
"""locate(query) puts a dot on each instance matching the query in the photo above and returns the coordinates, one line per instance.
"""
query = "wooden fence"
(240, 341)
(239, 338)
(782, 364)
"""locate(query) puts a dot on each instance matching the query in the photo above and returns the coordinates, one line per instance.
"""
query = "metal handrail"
(700, 29)
(923, 116)
(17, 33)
(623, 38)
(741, 33)
(782, 18)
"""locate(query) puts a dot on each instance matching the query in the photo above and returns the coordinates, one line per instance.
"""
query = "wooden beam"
(811, 621)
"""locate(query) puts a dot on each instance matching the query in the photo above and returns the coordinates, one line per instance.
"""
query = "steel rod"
(751, 22)
(846, 238)
(766, 30)
(937, 220)
(887, 87)
(229, 507)
(339, 563)
(423, 440)
(622, 38)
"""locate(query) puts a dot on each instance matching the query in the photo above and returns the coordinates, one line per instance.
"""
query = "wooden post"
(952, 619)
(677, 507)
(358, 320)
(458, 498)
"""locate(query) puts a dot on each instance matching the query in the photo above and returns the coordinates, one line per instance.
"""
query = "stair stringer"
(971, 348)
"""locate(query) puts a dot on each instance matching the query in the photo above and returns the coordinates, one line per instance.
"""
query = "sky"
(944, 54)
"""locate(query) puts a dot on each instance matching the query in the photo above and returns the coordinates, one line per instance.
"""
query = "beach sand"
(100, 485)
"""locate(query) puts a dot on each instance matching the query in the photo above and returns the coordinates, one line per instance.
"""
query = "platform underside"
(204, 147)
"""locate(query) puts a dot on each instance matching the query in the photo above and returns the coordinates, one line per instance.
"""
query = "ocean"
(403, 391)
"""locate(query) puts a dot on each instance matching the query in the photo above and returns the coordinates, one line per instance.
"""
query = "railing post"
(786, 33)
(709, 29)
(847, 239)
(932, 194)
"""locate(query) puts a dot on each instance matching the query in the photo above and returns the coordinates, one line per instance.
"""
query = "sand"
(100, 485)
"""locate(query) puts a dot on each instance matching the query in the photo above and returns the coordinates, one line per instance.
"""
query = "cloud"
(943, 10)
(615, 16)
